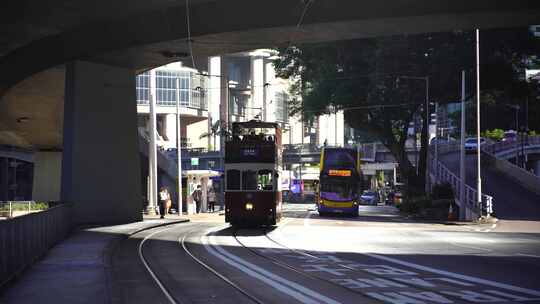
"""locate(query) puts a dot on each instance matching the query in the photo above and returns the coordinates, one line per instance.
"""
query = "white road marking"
(297, 291)
(457, 276)
(156, 279)
(306, 219)
(529, 255)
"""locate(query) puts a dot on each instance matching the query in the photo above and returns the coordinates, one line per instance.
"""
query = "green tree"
(215, 130)
(365, 77)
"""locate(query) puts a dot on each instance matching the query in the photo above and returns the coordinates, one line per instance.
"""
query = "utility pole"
(478, 147)
(335, 126)
(462, 195)
(179, 147)
(426, 137)
(152, 157)
(436, 136)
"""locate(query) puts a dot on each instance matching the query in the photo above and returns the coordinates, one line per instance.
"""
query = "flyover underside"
(152, 35)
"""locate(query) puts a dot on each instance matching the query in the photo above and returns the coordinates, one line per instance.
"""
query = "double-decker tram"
(252, 174)
(340, 181)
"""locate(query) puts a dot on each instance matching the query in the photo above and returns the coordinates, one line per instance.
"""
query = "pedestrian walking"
(197, 198)
(164, 199)
(211, 199)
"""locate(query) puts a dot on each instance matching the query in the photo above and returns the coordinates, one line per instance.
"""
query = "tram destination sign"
(339, 172)
(250, 152)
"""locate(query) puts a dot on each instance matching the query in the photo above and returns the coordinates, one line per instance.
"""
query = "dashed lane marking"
(306, 219)
(456, 275)
(529, 255)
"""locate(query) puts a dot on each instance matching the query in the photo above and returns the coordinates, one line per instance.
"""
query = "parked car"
(471, 144)
(442, 141)
(370, 197)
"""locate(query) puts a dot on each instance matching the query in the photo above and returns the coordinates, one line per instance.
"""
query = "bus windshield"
(336, 191)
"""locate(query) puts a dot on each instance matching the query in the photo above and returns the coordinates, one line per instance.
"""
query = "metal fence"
(25, 238)
(443, 175)
(11, 209)
(511, 144)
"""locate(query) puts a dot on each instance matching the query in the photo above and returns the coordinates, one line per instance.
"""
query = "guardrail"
(26, 238)
(17, 208)
(510, 145)
(441, 174)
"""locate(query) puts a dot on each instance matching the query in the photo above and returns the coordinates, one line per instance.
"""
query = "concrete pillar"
(214, 98)
(269, 76)
(47, 176)
(170, 130)
(101, 162)
(257, 87)
(204, 189)
(537, 168)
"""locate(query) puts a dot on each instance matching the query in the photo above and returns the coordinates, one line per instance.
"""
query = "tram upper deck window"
(233, 179)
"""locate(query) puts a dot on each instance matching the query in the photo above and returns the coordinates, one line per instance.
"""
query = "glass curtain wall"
(192, 90)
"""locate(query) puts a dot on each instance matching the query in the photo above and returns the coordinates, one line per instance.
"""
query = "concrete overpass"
(67, 69)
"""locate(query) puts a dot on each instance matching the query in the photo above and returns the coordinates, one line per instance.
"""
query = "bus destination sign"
(339, 172)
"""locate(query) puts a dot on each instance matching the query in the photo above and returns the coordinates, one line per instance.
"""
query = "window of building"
(233, 179)
(143, 88)
(281, 100)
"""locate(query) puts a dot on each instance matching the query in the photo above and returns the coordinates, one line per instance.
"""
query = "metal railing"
(25, 238)
(11, 209)
(442, 175)
(511, 144)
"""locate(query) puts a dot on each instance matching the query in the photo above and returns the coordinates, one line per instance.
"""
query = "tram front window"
(258, 180)
(233, 179)
(265, 180)
(249, 180)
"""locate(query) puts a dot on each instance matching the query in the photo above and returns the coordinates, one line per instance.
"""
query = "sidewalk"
(76, 270)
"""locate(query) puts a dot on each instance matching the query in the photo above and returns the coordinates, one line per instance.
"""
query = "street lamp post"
(179, 147)
(478, 173)
(516, 108)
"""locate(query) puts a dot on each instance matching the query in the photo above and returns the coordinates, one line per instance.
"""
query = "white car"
(471, 144)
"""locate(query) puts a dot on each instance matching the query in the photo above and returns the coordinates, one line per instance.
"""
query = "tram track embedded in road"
(182, 242)
(154, 276)
(291, 267)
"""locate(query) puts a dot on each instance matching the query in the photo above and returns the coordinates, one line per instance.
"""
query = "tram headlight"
(355, 203)
(249, 206)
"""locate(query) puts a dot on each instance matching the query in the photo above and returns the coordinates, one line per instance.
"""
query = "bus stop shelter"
(194, 178)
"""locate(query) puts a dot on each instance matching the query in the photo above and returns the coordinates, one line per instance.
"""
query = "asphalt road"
(379, 257)
(511, 201)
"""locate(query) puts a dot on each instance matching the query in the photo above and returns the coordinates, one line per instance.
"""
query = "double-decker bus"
(252, 174)
(340, 181)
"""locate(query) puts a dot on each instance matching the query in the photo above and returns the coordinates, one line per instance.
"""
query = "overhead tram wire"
(190, 45)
